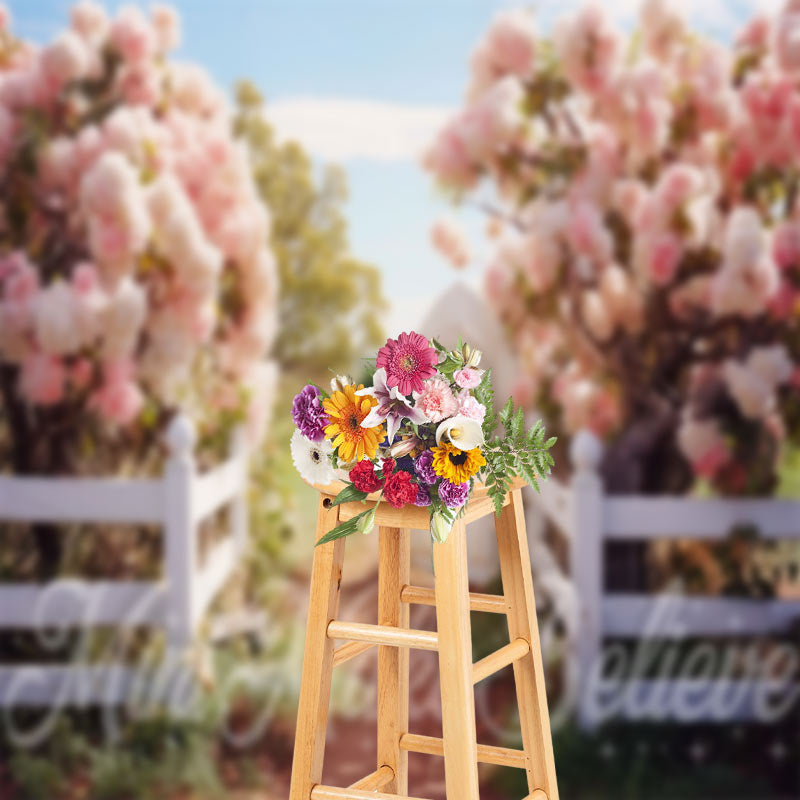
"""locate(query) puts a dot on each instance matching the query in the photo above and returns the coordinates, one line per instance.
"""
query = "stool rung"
(419, 595)
(487, 754)
(383, 634)
(350, 650)
(320, 792)
(506, 655)
(375, 780)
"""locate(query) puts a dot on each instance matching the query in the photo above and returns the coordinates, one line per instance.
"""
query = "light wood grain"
(420, 595)
(455, 665)
(385, 516)
(379, 779)
(315, 683)
(522, 624)
(487, 754)
(394, 566)
(383, 634)
(393, 636)
(343, 654)
(333, 793)
(500, 658)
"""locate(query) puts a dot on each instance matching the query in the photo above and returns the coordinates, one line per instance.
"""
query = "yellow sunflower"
(346, 412)
(457, 466)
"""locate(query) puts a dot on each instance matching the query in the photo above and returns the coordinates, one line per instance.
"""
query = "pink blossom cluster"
(134, 259)
(649, 257)
(448, 238)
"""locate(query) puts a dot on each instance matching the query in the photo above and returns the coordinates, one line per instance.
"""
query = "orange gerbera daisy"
(347, 411)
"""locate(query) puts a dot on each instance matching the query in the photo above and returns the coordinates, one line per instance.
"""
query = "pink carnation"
(437, 400)
(468, 378)
(469, 407)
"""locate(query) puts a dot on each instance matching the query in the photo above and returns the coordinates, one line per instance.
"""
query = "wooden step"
(419, 595)
(320, 792)
(506, 655)
(383, 634)
(487, 754)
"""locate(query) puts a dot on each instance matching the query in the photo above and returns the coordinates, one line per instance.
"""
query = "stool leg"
(455, 666)
(393, 575)
(515, 569)
(315, 684)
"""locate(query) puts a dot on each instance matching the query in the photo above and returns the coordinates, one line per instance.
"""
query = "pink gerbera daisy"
(408, 361)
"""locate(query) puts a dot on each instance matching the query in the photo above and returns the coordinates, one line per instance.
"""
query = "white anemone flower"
(463, 432)
(312, 459)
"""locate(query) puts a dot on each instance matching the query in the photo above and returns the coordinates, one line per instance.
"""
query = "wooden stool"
(393, 637)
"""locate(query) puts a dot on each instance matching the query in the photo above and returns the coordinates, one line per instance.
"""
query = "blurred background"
(208, 205)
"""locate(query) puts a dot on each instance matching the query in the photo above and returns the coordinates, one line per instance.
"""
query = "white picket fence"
(178, 503)
(589, 518)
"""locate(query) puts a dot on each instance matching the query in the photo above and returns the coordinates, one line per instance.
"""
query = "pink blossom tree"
(646, 225)
(135, 276)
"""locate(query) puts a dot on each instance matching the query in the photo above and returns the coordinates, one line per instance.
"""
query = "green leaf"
(550, 442)
(508, 410)
(345, 529)
(518, 423)
(498, 495)
(348, 495)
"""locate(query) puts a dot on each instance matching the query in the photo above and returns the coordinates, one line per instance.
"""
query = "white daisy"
(312, 459)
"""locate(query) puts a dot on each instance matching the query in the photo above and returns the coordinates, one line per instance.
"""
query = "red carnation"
(387, 468)
(399, 490)
(364, 478)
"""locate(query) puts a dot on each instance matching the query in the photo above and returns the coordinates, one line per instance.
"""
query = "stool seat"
(394, 637)
(413, 517)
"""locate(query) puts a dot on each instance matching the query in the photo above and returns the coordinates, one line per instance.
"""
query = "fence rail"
(100, 500)
(177, 502)
(590, 518)
(663, 517)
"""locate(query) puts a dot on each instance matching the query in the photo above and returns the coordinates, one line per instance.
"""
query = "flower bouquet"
(422, 434)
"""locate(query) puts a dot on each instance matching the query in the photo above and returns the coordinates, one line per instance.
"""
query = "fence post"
(238, 451)
(180, 540)
(587, 564)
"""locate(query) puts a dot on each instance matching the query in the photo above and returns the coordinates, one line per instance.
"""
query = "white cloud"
(342, 128)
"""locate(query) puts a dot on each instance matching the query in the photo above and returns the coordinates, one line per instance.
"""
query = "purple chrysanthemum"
(423, 498)
(453, 495)
(423, 466)
(309, 415)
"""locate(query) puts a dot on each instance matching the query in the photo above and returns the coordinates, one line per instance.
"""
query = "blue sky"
(365, 83)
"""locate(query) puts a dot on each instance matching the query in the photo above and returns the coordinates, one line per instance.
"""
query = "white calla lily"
(463, 432)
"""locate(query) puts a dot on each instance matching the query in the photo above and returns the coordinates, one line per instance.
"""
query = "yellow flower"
(346, 412)
(457, 466)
